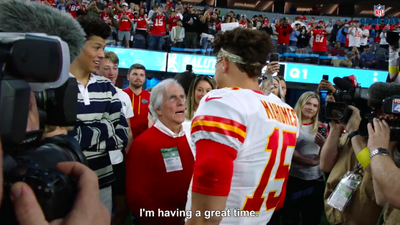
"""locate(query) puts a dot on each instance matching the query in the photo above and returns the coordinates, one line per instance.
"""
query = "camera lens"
(337, 114)
(62, 149)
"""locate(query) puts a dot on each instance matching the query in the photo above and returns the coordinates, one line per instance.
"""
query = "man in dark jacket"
(191, 23)
(334, 31)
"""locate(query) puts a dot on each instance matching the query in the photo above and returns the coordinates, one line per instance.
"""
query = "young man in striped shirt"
(101, 126)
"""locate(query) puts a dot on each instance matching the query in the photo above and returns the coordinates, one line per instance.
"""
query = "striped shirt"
(101, 126)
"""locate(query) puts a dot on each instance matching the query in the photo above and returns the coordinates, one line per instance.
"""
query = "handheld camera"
(39, 63)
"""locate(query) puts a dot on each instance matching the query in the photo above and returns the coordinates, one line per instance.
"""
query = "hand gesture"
(379, 135)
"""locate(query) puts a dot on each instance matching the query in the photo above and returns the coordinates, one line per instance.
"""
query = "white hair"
(157, 94)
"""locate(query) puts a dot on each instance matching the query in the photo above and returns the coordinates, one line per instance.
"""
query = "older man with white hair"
(159, 164)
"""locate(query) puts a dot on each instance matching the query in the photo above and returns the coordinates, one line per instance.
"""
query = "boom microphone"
(342, 84)
(379, 91)
(34, 17)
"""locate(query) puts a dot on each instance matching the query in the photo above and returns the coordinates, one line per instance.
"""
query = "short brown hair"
(252, 45)
(136, 66)
(111, 56)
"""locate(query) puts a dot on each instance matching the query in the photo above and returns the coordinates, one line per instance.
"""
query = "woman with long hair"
(305, 187)
(207, 34)
(199, 87)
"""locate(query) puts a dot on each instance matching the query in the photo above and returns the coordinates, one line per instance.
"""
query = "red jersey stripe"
(218, 130)
(220, 120)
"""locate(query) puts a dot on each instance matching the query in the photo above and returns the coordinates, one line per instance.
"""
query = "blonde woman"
(305, 185)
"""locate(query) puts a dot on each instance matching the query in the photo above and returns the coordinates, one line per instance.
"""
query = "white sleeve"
(220, 119)
(127, 108)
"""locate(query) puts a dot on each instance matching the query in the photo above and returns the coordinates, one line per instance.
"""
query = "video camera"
(345, 95)
(39, 63)
(362, 98)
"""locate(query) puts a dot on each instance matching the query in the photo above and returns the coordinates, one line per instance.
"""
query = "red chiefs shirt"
(172, 22)
(104, 16)
(319, 41)
(73, 9)
(140, 104)
(124, 24)
(141, 23)
(159, 25)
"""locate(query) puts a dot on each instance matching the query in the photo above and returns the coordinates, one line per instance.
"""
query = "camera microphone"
(380, 90)
(342, 84)
(34, 17)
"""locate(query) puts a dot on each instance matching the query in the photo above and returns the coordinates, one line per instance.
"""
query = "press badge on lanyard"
(172, 160)
(345, 189)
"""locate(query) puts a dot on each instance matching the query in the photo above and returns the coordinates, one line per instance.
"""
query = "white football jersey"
(263, 130)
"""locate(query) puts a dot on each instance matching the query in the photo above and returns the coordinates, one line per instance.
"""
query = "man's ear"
(225, 65)
(158, 111)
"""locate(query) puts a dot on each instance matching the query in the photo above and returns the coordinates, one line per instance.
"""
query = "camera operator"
(87, 206)
(338, 156)
(27, 17)
(385, 173)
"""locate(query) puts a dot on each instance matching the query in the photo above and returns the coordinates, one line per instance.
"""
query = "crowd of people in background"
(181, 27)
(185, 28)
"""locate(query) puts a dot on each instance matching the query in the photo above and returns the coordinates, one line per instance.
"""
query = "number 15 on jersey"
(255, 202)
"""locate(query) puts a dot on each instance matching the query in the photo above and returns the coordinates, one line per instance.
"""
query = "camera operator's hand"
(87, 208)
(355, 119)
(273, 67)
(379, 135)
(336, 126)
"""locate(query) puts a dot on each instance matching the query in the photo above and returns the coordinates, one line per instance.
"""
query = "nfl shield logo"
(379, 10)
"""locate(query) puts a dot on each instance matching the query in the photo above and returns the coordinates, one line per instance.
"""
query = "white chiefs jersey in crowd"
(263, 130)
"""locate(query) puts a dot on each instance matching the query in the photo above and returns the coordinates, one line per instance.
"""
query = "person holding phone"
(125, 21)
(305, 186)
(273, 66)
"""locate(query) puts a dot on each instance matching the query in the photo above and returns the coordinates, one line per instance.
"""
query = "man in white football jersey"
(244, 139)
